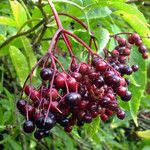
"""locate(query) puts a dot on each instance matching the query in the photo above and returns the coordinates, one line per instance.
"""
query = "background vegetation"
(26, 28)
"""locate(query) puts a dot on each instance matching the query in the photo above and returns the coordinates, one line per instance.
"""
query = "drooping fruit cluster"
(119, 56)
(83, 92)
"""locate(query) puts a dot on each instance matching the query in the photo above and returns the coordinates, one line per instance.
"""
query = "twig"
(20, 34)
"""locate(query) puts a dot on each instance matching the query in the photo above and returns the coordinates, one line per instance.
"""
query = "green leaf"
(137, 24)
(15, 145)
(102, 36)
(137, 88)
(120, 6)
(1, 116)
(28, 51)
(7, 21)
(20, 63)
(93, 128)
(4, 51)
(144, 134)
(19, 13)
(99, 12)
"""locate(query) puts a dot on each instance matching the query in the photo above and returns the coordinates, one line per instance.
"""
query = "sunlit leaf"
(20, 63)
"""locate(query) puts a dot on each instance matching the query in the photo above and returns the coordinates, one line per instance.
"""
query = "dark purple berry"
(135, 68)
(87, 118)
(127, 97)
(113, 105)
(105, 101)
(21, 104)
(49, 123)
(142, 49)
(28, 126)
(121, 114)
(38, 134)
(46, 74)
(99, 82)
(64, 122)
(72, 98)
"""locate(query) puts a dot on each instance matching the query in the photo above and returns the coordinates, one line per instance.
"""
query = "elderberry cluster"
(83, 92)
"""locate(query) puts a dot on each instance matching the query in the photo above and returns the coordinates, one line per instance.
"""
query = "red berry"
(121, 91)
(138, 43)
(60, 80)
(109, 112)
(53, 93)
(104, 117)
(115, 53)
(72, 84)
(68, 129)
(101, 66)
(77, 76)
(122, 41)
(84, 68)
(126, 52)
(145, 55)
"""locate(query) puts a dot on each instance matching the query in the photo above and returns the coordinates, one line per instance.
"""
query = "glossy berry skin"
(77, 76)
(122, 41)
(64, 122)
(72, 98)
(142, 49)
(39, 122)
(121, 91)
(84, 68)
(138, 43)
(49, 123)
(46, 133)
(121, 114)
(105, 101)
(38, 134)
(60, 81)
(115, 53)
(99, 82)
(126, 52)
(21, 104)
(72, 83)
(145, 55)
(28, 126)
(30, 109)
(135, 68)
(46, 74)
(87, 118)
(128, 70)
(101, 66)
(127, 97)
(113, 105)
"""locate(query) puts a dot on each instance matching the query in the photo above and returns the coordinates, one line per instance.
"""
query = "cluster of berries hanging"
(82, 92)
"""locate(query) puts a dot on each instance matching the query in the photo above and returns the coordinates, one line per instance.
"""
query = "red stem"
(80, 41)
(55, 14)
(54, 39)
